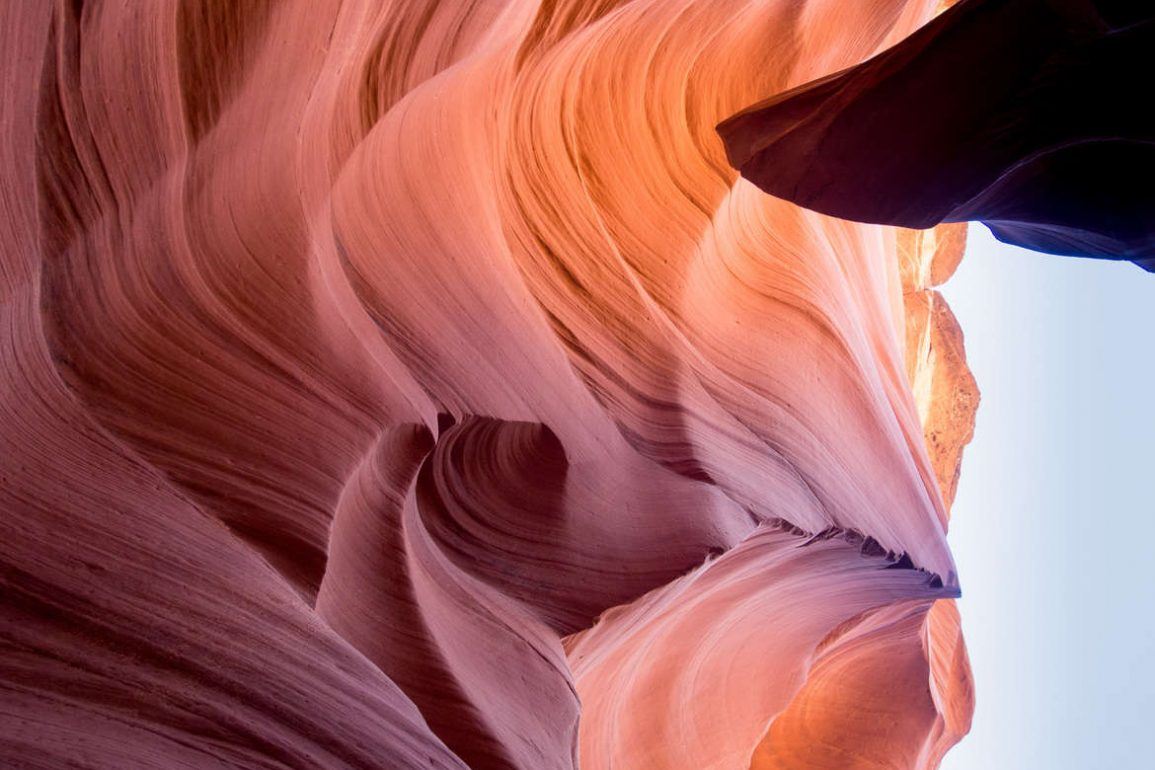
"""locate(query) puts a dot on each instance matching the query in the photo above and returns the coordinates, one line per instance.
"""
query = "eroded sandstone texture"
(392, 384)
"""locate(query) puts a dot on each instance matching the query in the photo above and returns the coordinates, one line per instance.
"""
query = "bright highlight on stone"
(406, 384)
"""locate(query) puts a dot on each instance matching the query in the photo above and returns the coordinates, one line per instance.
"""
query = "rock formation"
(1024, 114)
(410, 384)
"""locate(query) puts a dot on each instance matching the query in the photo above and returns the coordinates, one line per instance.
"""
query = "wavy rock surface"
(413, 384)
(1020, 113)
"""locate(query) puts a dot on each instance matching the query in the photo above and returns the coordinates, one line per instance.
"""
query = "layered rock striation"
(415, 384)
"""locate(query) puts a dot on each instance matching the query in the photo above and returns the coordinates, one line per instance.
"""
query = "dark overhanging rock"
(1024, 114)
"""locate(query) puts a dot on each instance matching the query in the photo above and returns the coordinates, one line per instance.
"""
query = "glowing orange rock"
(415, 385)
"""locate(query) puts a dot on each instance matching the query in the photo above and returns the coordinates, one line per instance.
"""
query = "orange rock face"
(414, 384)
(945, 392)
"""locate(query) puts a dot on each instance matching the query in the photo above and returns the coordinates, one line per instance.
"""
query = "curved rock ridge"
(410, 384)
(1018, 113)
(728, 627)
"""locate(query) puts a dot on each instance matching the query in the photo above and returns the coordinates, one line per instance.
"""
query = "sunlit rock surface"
(1021, 113)
(405, 384)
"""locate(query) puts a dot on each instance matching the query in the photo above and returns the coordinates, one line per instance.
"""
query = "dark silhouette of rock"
(1032, 116)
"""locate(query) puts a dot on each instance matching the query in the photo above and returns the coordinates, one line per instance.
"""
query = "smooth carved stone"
(415, 385)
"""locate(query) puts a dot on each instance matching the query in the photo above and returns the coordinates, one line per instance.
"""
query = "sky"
(1053, 528)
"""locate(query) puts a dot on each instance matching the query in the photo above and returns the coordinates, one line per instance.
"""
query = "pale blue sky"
(1053, 528)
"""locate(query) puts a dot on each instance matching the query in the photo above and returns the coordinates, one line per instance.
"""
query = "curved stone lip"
(1012, 113)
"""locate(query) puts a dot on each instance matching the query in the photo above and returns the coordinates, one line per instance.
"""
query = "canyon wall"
(401, 383)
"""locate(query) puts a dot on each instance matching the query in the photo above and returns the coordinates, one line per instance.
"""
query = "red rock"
(403, 385)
